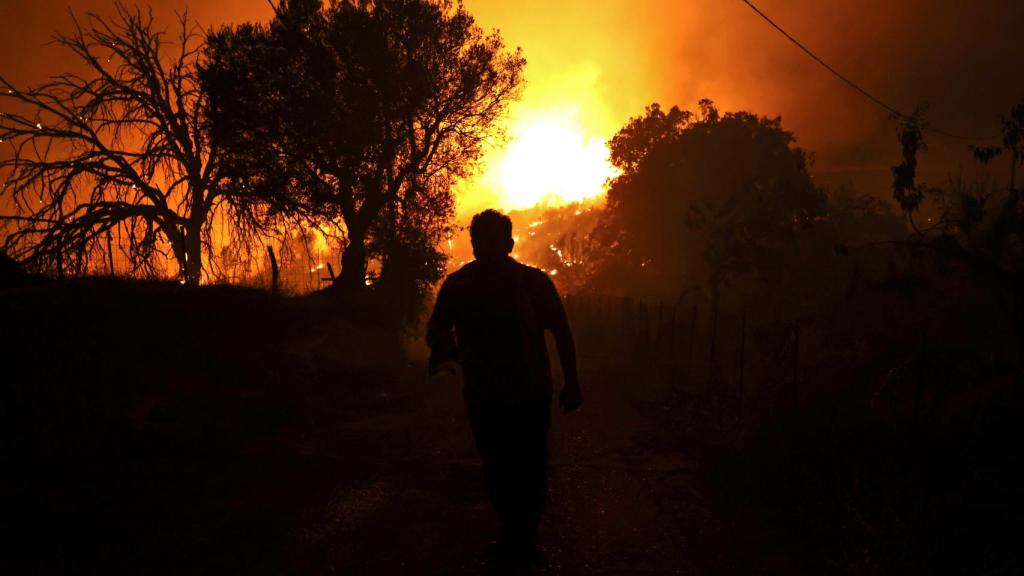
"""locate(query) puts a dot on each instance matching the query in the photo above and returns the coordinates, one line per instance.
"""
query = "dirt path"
(387, 485)
(417, 506)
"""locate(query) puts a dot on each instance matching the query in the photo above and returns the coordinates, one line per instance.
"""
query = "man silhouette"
(489, 318)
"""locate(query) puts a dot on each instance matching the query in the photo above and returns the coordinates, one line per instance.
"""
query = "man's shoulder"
(531, 275)
(531, 271)
(535, 276)
(461, 274)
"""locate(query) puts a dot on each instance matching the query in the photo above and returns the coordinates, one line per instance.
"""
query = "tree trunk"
(193, 264)
(1013, 170)
(187, 244)
(274, 272)
(743, 353)
(353, 263)
(110, 255)
(693, 329)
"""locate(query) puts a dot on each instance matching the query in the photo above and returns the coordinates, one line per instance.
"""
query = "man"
(490, 317)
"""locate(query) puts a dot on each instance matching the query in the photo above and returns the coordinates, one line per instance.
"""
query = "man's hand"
(444, 370)
(570, 398)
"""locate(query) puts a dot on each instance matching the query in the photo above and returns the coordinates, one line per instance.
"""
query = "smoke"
(604, 61)
(961, 57)
(28, 26)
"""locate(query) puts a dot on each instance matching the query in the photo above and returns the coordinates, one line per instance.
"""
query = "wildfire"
(549, 162)
(555, 149)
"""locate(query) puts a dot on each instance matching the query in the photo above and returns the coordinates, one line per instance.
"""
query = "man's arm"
(571, 396)
(441, 330)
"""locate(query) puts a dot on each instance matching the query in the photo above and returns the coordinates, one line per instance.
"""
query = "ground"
(615, 507)
(394, 487)
(149, 428)
(153, 429)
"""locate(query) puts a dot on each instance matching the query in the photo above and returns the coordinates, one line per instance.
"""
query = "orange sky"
(955, 54)
(598, 63)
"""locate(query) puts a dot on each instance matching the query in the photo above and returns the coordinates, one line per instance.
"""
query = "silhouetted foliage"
(839, 387)
(641, 134)
(117, 151)
(407, 245)
(979, 230)
(703, 201)
(905, 189)
(12, 274)
(361, 115)
(1013, 143)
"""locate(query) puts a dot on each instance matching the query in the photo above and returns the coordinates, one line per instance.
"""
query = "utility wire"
(895, 112)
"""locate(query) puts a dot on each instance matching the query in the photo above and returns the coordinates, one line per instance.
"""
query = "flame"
(549, 161)
(555, 152)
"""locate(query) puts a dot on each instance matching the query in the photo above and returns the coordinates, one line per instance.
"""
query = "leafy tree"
(406, 244)
(905, 189)
(1013, 143)
(641, 134)
(982, 229)
(978, 234)
(703, 200)
(117, 151)
(360, 115)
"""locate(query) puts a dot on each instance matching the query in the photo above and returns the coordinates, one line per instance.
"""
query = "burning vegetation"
(825, 376)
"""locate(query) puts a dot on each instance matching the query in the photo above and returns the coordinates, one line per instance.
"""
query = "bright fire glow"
(549, 161)
(554, 152)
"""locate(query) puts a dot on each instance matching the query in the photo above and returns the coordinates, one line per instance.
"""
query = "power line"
(892, 110)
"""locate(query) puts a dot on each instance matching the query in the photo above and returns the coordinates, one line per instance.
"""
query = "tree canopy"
(702, 199)
(361, 115)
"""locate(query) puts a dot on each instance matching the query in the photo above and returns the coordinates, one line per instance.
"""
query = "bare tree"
(117, 151)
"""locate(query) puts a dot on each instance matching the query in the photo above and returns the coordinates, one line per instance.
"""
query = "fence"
(689, 348)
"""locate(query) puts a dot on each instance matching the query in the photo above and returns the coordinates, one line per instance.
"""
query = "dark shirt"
(490, 317)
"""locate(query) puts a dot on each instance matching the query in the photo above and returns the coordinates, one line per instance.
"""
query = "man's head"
(491, 235)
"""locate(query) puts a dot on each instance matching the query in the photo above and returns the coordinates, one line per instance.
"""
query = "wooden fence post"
(796, 362)
(110, 254)
(274, 272)
(644, 327)
(60, 258)
(714, 337)
(920, 383)
(693, 327)
(743, 350)
(659, 337)
(672, 334)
